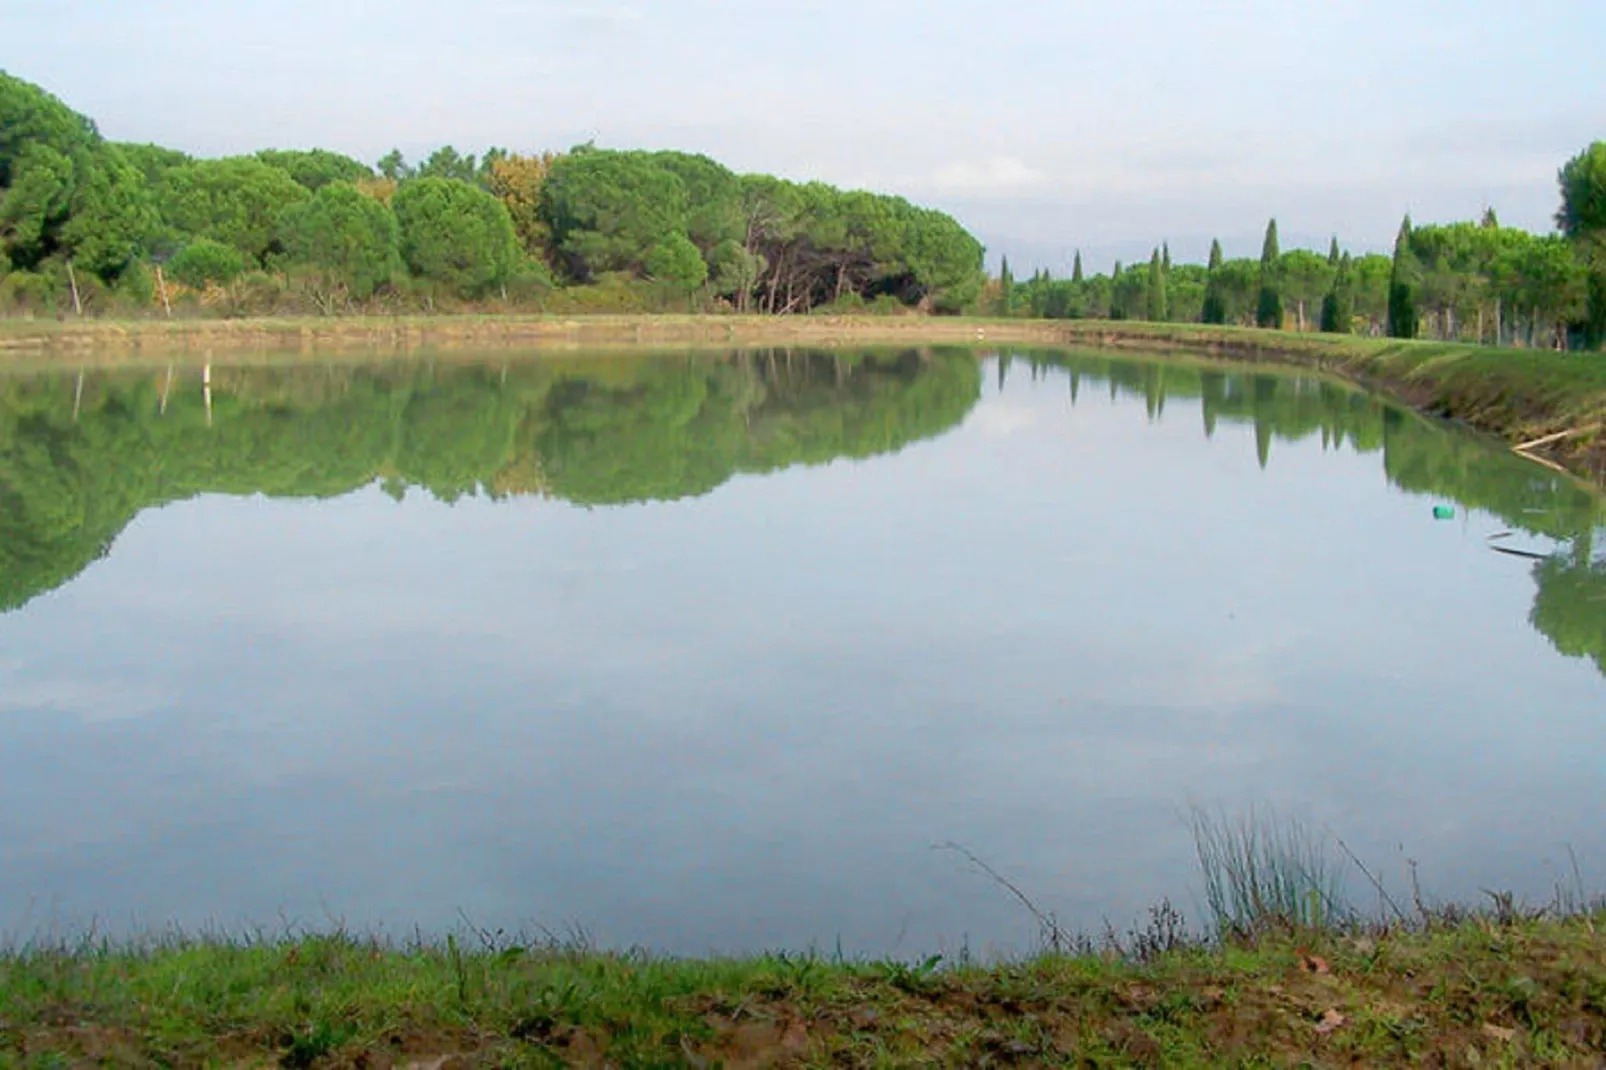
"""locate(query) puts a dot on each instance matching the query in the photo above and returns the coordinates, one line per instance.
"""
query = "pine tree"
(1269, 309)
(1006, 289)
(1402, 285)
(1076, 268)
(1490, 220)
(1154, 296)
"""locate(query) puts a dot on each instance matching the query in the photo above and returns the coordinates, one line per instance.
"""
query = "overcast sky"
(1044, 126)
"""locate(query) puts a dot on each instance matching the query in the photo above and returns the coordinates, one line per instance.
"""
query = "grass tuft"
(1264, 873)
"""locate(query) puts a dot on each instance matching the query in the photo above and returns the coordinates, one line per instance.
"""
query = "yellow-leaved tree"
(517, 181)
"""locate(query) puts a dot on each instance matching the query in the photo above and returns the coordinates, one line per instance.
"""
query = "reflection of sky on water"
(742, 720)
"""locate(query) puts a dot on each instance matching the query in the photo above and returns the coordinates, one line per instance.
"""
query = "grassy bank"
(1498, 992)
(1518, 396)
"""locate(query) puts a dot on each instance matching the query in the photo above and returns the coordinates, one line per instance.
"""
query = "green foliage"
(153, 161)
(393, 165)
(29, 292)
(456, 234)
(1155, 295)
(205, 260)
(1403, 282)
(1304, 278)
(1583, 193)
(445, 162)
(236, 200)
(1264, 873)
(1583, 218)
(1270, 249)
(136, 286)
(350, 238)
(735, 270)
(713, 198)
(1214, 307)
(114, 216)
(1269, 302)
(316, 168)
(1269, 307)
(1338, 307)
(676, 261)
(608, 211)
(1572, 589)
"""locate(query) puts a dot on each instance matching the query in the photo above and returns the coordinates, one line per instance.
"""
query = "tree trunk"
(72, 280)
(161, 286)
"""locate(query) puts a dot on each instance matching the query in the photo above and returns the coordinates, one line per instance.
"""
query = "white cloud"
(999, 175)
(1001, 420)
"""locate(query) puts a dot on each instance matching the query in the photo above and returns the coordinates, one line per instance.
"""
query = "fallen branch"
(1520, 553)
(1545, 440)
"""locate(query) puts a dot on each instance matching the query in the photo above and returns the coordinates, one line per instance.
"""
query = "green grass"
(1288, 975)
(1516, 991)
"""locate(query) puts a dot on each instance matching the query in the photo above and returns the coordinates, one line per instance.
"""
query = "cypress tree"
(1270, 251)
(1076, 268)
(1402, 286)
(1165, 256)
(1332, 252)
(1117, 302)
(1006, 288)
(1338, 307)
(1269, 309)
(1155, 299)
(1214, 309)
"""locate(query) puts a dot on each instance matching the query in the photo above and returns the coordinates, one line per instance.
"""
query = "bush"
(136, 287)
(25, 291)
(255, 293)
(204, 260)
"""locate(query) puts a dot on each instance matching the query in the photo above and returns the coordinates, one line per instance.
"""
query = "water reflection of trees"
(1419, 456)
(81, 456)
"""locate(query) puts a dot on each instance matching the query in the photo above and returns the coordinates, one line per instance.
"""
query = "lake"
(711, 652)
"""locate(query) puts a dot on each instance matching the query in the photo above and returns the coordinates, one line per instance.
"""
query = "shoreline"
(1549, 405)
(1506, 988)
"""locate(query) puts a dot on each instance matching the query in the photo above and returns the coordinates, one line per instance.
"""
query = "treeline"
(89, 226)
(1472, 282)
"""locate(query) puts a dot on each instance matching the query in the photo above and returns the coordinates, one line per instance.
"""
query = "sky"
(1045, 127)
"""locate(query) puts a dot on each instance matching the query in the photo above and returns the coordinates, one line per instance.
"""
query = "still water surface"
(706, 653)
